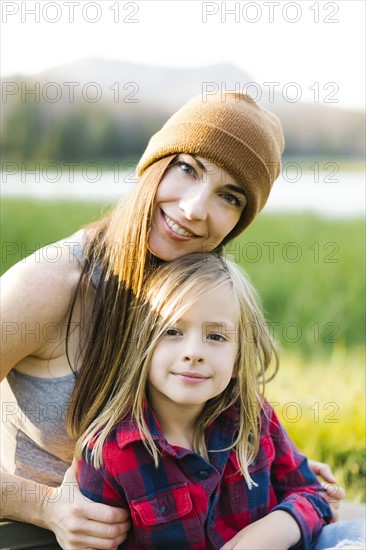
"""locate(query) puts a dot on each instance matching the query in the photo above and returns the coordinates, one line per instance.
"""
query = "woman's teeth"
(177, 228)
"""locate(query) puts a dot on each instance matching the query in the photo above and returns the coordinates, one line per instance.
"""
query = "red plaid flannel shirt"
(188, 503)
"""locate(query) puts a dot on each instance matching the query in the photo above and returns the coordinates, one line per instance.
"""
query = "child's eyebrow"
(219, 324)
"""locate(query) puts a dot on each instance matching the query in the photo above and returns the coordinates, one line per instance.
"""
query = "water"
(340, 194)
(92, 183)
(342, 198)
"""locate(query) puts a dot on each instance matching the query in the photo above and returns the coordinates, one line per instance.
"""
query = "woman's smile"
(176, 227)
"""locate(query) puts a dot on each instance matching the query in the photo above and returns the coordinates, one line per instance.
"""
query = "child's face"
(194, 360)
(197, 204)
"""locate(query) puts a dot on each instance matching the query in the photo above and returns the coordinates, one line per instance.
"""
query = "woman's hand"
(333, 492)
(79, 522)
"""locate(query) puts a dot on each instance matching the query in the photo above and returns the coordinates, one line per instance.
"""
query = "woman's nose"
(195, 206)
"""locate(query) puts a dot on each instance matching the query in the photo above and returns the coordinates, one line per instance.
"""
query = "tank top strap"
(78, 252)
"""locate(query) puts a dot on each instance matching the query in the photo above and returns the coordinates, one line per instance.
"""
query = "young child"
(187, 442)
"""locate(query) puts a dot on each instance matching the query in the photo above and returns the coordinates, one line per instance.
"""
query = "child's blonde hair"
(170, 291)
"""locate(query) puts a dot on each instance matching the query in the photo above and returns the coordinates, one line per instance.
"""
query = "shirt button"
(164, 509)
(203, 474)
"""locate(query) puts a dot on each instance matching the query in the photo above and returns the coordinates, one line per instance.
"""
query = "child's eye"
(171, 332)
(216, 337)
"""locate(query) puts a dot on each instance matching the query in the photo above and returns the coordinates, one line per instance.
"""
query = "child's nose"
(193, 351)
(193, 357)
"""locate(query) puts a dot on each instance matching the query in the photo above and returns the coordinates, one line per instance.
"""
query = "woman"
(202, 179)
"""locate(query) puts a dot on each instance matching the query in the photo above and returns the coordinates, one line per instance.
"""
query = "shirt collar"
(127, 431)
(219, 434)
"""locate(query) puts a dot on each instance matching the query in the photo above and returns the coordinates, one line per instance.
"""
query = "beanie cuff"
(235, 134)
(213, 143)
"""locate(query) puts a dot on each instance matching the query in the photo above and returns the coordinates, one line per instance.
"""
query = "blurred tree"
(34, 129)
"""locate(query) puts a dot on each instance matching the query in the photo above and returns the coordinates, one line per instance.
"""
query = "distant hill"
(128, 102)
(164, 87)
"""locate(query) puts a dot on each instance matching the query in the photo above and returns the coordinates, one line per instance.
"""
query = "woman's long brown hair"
(119, 247)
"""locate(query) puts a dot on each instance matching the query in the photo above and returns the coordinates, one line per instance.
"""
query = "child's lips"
(191, 376)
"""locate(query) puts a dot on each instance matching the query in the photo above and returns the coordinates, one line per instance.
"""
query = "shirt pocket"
(166, 519)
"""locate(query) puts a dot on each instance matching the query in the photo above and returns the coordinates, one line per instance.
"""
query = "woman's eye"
(186, 168)
(232, 199)
(216, 337)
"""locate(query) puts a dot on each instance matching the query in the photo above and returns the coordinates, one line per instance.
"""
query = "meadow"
(309, 272)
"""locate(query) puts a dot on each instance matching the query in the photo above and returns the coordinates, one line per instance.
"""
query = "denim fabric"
(342, 534)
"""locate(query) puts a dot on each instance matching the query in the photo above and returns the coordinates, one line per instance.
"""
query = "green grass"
(28, 224)
(309, 273)
(322, 405)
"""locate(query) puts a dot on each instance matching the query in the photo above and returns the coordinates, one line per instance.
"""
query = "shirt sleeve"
(297, 489)
(97, 484)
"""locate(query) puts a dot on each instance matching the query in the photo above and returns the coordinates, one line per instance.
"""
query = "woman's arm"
(76, 521)
(37, 293)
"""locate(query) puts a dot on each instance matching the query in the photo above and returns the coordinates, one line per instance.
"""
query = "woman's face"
(197, 204)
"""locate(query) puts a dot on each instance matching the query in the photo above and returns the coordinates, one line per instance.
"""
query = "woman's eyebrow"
(195, 159)
(202, 166)
(231, 186)
(235, 188)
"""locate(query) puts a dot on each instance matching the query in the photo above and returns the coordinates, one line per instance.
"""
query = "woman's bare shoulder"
(35, 292)
(50, 270)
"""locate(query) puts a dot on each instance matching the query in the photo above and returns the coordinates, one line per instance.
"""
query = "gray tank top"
(34, 441)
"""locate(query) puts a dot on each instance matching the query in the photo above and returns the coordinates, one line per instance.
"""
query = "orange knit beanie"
(232, 131)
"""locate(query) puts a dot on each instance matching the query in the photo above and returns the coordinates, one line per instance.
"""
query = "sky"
(307, 47)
